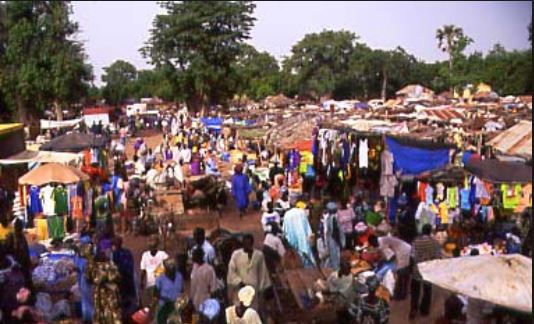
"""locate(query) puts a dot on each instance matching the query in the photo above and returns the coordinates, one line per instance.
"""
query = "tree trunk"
(450, 75)
(59, 111)
(22, 111)
(384, 85)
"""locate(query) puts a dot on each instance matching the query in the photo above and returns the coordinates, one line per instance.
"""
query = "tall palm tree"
(449, 38)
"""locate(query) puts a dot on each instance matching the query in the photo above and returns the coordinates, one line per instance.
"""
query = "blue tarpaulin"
(412, 160)
(212, 123)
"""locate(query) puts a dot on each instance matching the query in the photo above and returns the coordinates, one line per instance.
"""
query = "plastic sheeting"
(415, 160)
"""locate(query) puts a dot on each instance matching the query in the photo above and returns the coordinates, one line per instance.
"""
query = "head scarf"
(246, 295)
(210, 308)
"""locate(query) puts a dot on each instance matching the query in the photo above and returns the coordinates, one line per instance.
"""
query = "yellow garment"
(4, 231)
(452, 197)
(526, 198)
(42, 228)
(510, 196)
(444, 213)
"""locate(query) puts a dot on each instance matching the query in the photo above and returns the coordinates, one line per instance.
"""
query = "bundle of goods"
(55, 274)
(483, 249)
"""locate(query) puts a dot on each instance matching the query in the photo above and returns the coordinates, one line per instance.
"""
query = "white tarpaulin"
(52, 124)
(504, 280)
(96, 118)
(42, 157)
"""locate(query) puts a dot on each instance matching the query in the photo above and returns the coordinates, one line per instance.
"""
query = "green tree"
(452, 40)
(201, 41)
(42, 66)
(154, 83)
(119, 78)
(320, 62)
(258, 73)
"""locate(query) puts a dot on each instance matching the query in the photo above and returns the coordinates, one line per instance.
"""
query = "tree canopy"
(200, 41)
(119, 78)
(41, 63)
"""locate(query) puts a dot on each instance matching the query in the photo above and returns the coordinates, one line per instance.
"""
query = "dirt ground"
(251, 223)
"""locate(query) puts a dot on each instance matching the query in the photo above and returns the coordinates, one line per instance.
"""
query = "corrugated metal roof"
(516, 140)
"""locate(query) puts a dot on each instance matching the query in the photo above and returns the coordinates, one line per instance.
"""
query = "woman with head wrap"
(240, 189)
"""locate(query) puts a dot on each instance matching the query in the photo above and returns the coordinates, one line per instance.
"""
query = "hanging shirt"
(36, 207)
(429, 195)
(511, 195)
(47, 200)
(464, 199)
(443, 213)
(421, 191)
(452, 197)
(364, 153)
(440, 192)
(61, 200)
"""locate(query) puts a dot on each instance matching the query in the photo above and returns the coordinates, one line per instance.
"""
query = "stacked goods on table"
(55, 273)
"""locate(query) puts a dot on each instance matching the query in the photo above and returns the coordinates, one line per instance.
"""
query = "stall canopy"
(40, 157)
(54, 124)
(74, 142)
(52, 173)
(212, 123)
(500, 171)
(504, 280)
(413, 157)
(516, 140)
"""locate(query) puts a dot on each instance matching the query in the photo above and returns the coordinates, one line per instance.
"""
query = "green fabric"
(56, 227)
(372, 218)
(511, 196)
(61, 199)
(452, 197)
(102, 202)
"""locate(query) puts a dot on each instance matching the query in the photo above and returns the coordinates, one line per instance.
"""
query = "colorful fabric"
(42, 228)
(104, 276)
(36, 207)
(60, 197)
(464, 199)
(452, 197)
(415, 160)
(56, 227)
(511, 195)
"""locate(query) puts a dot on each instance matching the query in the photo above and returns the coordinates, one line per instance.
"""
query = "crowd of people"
(322, 229)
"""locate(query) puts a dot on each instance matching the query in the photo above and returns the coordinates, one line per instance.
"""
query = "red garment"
(421, 194)
(371, 257)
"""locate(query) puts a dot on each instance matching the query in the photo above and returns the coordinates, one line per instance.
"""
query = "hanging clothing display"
(388, 180)
(35, 204)
(363, 153)
(511, 195)
(60, 197)
(56, 227)
(47, 200)
(452, 197)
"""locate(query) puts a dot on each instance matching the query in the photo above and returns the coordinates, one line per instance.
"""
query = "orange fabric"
(77, 207)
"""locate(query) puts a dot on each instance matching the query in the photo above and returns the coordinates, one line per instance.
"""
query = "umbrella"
(504, 280)
(52, 172)
(73, 142)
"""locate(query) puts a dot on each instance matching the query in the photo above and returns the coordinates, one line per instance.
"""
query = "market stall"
(54, 195)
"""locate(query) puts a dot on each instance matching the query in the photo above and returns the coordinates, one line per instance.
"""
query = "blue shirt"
(169, 290)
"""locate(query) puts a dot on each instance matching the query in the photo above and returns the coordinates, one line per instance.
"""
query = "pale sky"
(116, 30)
